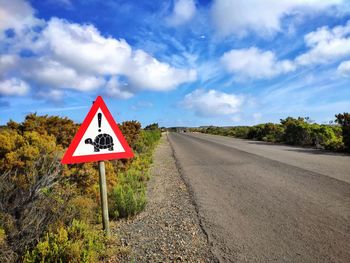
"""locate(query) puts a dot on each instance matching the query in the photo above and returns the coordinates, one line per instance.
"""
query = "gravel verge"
(168, 230)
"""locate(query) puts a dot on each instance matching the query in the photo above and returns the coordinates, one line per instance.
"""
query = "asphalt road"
(267, 203)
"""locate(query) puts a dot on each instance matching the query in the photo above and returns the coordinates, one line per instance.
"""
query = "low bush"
(152, 127)
(128, 201)
(2, 235)
(240, 132)
(296, 131)
(147, 141)
(62, 129)
(269, 132)
(48, 210)
(326, 137)
(128, 197)
(131, 131)
(77, 243)
(6, 253)
(300, 131)
(344, 121)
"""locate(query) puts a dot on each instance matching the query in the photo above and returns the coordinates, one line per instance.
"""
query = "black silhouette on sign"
(99, 119)
(102, 141)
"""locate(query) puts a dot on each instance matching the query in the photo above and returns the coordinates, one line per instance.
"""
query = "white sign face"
(99, 138)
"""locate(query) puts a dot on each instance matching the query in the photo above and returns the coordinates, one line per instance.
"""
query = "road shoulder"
(168, 229)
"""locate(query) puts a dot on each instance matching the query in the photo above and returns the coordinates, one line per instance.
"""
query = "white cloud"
(262, 17)
(344, 68)
(255, 63)
(53, 74)
(326, 45)
(149, 73)
(76, 56)
(212, 103)
(184, 10)
(52, 95)
(17, 15)
(83, 47)
(7, 62)
(13, 87)
(116, 89)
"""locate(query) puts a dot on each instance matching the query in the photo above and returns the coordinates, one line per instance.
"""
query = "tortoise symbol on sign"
(102, 141)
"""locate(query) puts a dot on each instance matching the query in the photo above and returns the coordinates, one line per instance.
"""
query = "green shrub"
(300, 131)
(127, 201)
(297, 131)
(63, 129)
(269, 132)
(344, 121)
(152, 127)
(147, 140)
(326, 137)
(77, 243)
(2, 236)
(131, 131)
(128, 196)
(6, 253)
(81, 208)
(21, 154)
(241, 132)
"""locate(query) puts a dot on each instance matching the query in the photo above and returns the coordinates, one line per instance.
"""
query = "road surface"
(267, 203)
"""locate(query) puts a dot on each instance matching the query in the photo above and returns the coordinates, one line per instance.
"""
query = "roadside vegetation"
(300, 131)
(50, 212)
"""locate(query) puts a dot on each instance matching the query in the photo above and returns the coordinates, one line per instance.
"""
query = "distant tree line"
(293, 131)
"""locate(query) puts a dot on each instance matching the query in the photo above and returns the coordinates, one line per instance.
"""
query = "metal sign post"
(103, 196)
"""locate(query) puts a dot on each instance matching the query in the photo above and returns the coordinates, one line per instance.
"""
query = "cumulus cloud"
(83, 47)
(262, 17)
(53, 74)
(116, 89)
(53, 94)
(16, 15)
(184, 10)
(7, 62)
(149, 73)
(344, 68)
(326, 45)
(212, 103)
(13, 87)
(255, 63)
(77, 56)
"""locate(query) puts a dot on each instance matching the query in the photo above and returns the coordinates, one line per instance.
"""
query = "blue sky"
(181, 62)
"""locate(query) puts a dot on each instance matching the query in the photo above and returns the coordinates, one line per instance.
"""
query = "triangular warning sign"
(98, 138)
